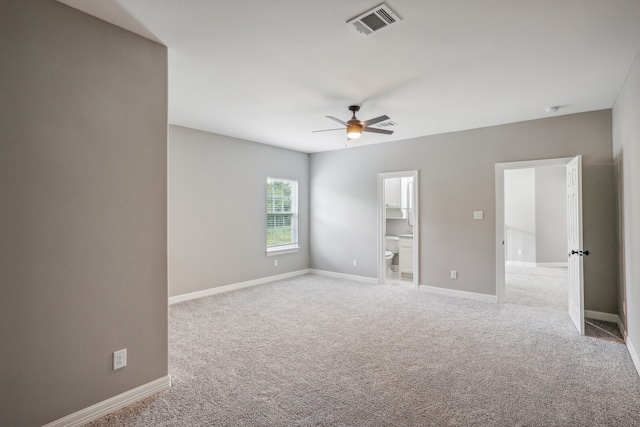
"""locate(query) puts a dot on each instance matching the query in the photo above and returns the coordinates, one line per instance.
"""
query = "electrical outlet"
(275, 262)
(519, 251)
(454, 274)
(119, 359)
(355, 262)
(478, 215)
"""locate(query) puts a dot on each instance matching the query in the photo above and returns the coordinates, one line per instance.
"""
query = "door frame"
(382, 224)
(500, 224)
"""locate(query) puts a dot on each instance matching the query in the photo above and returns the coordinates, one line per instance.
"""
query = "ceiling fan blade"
(374, 130)
(337, 120)
(374, 121)
(326, 130)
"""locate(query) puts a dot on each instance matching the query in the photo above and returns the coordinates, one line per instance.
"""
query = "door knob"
(579, 253)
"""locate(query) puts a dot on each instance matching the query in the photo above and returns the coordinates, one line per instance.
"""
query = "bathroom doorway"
(398, 228)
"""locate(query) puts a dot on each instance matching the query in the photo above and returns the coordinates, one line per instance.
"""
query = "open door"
(574, 243)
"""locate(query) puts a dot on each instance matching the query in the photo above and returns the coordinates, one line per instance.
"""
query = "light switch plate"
(478, 215)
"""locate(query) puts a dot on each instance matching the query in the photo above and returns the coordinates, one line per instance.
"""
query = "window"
(282, 215)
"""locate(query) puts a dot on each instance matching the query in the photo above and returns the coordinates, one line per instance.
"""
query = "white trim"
(283, 250)
(614, 318)
(459, 294)
(535, 264)
(235, 286)
(634, 355)
(552, 264)
(500, 233)
(623, 330)
(372, 280)
(605, 317)
(105, 407)
(521, 263)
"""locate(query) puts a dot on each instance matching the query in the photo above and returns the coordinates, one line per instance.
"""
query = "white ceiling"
(270, 71)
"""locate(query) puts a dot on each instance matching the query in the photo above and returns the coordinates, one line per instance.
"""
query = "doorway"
(535, 216)
(398, 228)
(573, 233)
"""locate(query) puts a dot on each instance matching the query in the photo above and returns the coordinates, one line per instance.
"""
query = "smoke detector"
(374, 20)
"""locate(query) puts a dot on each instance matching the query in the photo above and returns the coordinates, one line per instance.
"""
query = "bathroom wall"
(83, 252)
(217, 209)
(396, 227)
(457, 177)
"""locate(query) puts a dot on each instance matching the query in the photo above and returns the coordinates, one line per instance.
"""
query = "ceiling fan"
(355, 127)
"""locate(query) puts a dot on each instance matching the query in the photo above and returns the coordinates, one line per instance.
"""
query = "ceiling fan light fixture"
(354, 130)
(355, 127)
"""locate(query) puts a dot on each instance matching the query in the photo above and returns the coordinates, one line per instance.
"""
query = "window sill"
(283, 250)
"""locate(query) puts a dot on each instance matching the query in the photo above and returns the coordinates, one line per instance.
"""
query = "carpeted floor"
(544, 287)
(319, 351)
(547, 287)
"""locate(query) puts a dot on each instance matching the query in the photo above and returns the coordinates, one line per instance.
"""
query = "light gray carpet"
(320, 351)
(546, 287)
(537, 286)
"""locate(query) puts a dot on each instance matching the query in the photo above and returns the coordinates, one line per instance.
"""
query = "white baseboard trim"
(459, 294)
(605, 317)
(634, 355)
(552, 264)
(536, 264)
(521, 263)
(113, 404)
(624, 332)
(344, 276)
(235, 286)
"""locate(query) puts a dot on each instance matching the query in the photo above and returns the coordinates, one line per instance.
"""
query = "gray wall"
(83, 213)
(520, 214)
(626, 148)
(217, 209)
(457, 177)
(535, 215)
(551, 215)
(398, 226)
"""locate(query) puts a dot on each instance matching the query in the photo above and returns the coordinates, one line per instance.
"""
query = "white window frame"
(293, 246)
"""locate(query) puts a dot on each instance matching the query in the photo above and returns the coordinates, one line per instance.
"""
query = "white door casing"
(574, 243)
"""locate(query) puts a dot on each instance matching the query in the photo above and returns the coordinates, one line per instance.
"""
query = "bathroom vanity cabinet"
(405, 255)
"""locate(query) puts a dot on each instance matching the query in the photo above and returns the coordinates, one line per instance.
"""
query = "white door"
(574, 242)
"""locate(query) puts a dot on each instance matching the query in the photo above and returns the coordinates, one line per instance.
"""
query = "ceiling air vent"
(385, 124)
(373, 20)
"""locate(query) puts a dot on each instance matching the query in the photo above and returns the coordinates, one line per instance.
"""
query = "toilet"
(391, 248)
